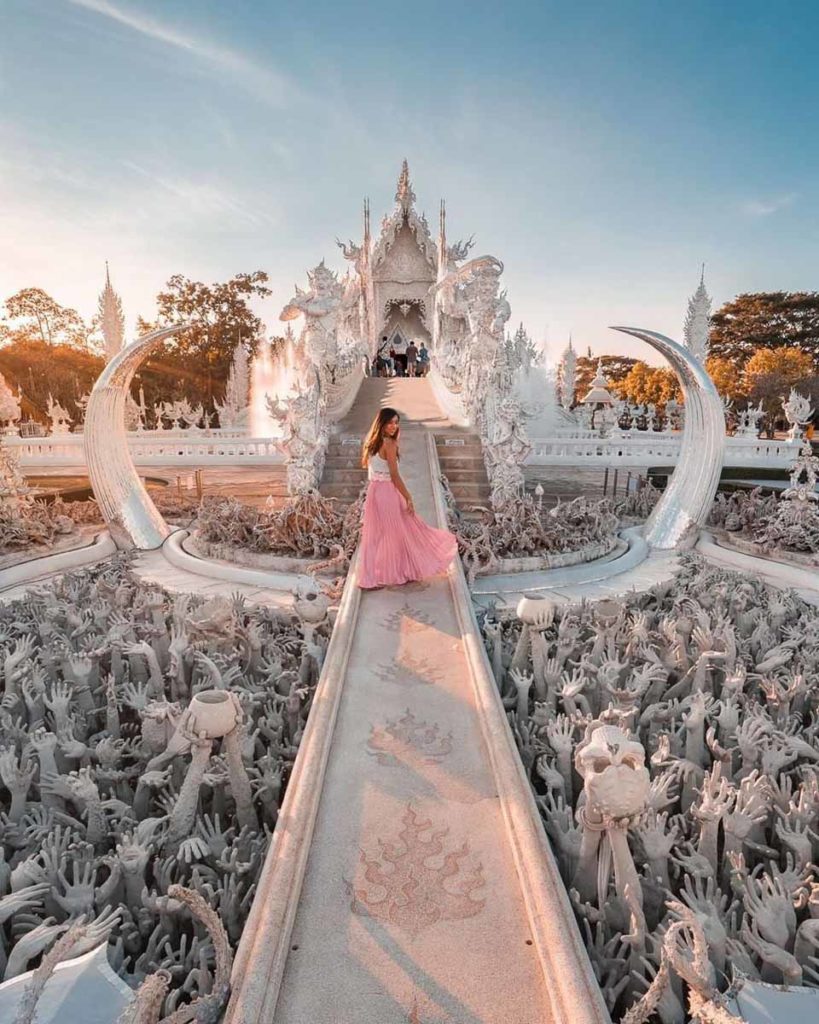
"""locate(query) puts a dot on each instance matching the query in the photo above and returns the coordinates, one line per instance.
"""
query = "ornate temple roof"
(404, 212)
(599, 392)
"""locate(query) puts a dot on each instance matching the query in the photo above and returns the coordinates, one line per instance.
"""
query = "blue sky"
(602, 151)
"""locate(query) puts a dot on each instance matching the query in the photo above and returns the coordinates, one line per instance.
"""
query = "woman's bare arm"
(389, 449)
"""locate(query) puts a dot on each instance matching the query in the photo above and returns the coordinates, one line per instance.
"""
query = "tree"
(196, 363)
(654, 384)
(727, 379)
(771, 373)
(38, 315)
(765, 320)
(9, 407)
(39, 369)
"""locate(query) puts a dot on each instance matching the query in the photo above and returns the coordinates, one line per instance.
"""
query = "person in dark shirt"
(412, 358)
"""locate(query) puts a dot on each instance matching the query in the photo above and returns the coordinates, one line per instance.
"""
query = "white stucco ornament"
(615, 778)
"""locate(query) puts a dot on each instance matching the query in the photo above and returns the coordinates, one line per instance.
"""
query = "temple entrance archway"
(404, 321)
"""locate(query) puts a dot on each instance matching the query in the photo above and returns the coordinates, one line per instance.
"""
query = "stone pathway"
(567, 585)
(411, 908)
(154, 567)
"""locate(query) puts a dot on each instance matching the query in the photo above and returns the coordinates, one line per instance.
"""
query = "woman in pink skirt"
(397, 546)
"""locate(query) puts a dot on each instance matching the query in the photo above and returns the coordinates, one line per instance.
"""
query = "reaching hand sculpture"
(708, 689)
(146, 745)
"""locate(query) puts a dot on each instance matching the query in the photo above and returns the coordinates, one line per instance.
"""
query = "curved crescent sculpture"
(126, 506)
(689, 495)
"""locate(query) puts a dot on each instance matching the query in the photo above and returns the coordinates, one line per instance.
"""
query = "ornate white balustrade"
(341, 394)
(231, 448)
(652, 449)
(159, 448)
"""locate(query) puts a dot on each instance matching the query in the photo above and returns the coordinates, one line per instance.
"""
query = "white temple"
(386, 295)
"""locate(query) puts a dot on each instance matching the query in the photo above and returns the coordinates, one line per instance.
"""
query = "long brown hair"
(375, 435)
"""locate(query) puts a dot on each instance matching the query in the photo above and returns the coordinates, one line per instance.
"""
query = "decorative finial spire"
(698, 321)
(404, 194)
(112, 321)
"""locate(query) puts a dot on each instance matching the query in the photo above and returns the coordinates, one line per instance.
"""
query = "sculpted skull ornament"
(612, 766)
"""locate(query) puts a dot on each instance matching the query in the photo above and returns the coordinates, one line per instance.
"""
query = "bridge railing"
(151, 448)
(167, 447)
(654, 449)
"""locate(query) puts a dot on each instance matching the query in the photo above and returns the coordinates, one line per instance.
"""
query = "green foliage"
(770, 374)
(765, 320)
(35, 315)
(39, 368)
(195, 365)
(644, 384)
(727, 379)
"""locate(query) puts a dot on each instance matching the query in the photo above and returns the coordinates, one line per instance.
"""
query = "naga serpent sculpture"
(132, 518)
(689, 495)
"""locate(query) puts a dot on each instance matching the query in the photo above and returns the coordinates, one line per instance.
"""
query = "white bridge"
(652, 449)
(155, 447)
(214, 448)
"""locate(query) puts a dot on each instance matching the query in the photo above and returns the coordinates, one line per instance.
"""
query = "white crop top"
(378, 468)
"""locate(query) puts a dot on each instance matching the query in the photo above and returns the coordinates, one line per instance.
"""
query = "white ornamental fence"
(151, 448)
(653, 449)
(197, 448)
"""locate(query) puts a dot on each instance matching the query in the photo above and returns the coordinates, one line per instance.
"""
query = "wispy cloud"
(205, 198)
(765, 207)
(265, 83)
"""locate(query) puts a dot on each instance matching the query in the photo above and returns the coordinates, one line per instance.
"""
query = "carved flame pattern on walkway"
(407, 738)
(407, 619)
(409, 670)
(416, 892)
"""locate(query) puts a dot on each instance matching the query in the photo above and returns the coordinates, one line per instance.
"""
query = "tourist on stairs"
(397, 546)
(412, 358)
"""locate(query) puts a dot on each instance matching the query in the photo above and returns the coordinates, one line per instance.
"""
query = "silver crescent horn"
(127, 508)
(687, 499)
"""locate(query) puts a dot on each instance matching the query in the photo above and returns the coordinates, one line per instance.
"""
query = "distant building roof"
(599, 392)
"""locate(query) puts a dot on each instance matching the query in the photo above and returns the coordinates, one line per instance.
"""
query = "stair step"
(467, 475)
(464, 462)
(471, 492)
(340, 490)
(352, 451)
(344, 474)
(459, 451)
(341, 462)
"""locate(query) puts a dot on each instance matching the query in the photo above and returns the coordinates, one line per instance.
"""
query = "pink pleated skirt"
(397, 547)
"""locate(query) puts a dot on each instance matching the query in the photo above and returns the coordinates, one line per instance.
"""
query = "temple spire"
(111, 318)
(442, 254)
(367, 228)
(698, 321)
(403, 193)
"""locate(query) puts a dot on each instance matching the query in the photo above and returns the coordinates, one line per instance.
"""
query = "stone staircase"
(459, 451)
(414, 400)
(461, 460)
(343, 476)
